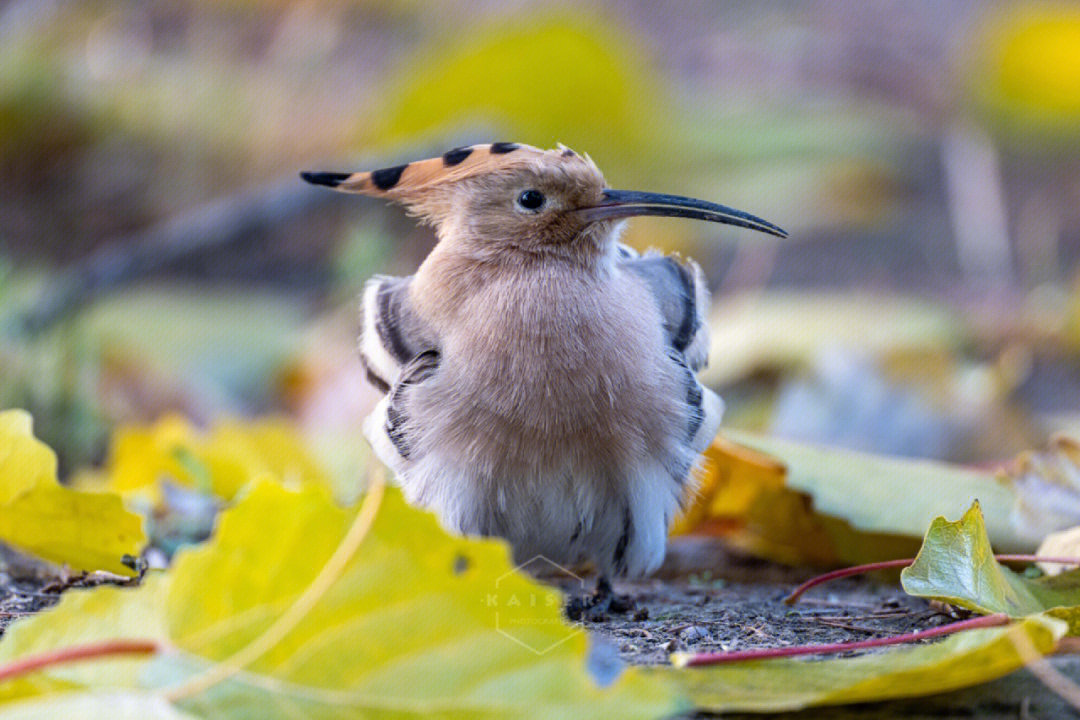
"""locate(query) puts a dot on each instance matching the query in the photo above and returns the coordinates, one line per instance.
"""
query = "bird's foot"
(599, 606)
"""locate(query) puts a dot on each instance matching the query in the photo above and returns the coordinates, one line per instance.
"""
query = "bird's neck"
(452, 277)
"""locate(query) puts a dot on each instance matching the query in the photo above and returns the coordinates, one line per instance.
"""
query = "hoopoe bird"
(539, 376)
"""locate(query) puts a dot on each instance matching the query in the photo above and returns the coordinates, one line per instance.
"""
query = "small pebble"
(670, 646)
(641, 614)
(694, 633)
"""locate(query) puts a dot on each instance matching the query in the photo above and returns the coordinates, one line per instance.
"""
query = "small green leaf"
(956, 565)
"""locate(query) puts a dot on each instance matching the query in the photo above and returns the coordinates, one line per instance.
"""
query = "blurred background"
(159, 253)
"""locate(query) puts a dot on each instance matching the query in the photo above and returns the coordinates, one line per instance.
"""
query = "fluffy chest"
(556, 347)
(551, 367)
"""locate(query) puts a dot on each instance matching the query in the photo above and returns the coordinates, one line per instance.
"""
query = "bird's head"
(506, 195)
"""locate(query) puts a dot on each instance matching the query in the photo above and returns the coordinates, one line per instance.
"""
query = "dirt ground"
(740, 606)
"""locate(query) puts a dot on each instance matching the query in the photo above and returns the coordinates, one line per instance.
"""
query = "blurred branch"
(209, 227)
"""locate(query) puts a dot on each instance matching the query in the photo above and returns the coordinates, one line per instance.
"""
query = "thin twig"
(692, 660)
(838, 604)
(871, 616)
(853, 628)
(889, 564)
(212, 226)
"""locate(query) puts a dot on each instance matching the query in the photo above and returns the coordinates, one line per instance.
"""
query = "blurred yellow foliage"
(1025, 74)
(85, 530)
(223, 460)
(1039, 62)
(745, 498)
(540, 80)
(802, 503)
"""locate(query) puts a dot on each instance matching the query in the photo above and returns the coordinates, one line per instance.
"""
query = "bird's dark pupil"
(531, 199)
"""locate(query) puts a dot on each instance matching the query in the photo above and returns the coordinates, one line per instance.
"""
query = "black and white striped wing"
(391, 333)
(679, 288)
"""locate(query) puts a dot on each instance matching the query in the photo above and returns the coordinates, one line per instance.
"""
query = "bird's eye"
(531, 199)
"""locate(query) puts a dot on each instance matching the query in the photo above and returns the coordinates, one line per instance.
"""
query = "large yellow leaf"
(417, 622)
(796, 502)
(963, 660)
(87, 531)
(83, 617)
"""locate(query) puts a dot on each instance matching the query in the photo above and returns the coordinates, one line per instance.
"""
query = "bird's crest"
(413, 178)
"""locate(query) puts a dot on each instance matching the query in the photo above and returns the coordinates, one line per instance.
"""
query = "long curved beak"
(628, 203)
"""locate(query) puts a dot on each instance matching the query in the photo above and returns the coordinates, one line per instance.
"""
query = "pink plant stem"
(75, 653)
(766, 653)
(887, 564)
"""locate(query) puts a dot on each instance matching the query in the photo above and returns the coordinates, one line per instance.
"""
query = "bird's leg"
(604, 592)
(605, 600)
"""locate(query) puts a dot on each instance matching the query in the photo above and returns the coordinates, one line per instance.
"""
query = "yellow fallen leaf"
(228, 457)
(477, 78)
(962, 660)
(85, 530)
(752, 331)
(801, 503)
(1064, 544)
(1022, 72)
(745, 497)
(417, 622)
(83, 617)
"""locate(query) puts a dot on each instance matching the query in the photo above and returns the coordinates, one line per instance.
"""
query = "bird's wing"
(679, 288)
(391, 333)
(392, 428)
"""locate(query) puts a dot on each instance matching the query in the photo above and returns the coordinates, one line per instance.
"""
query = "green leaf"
(88, 531)
(962, 660)
(410, 626)
(956, 565)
